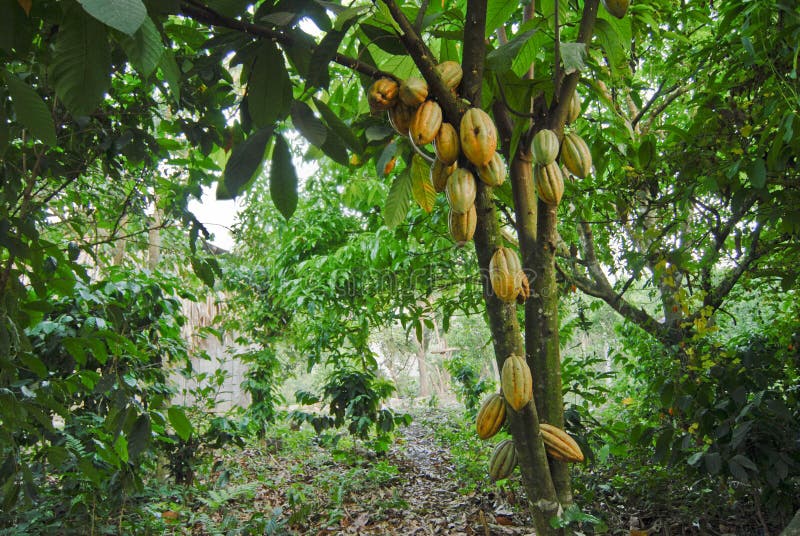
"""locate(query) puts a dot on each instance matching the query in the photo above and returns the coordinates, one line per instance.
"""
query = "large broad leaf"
(308, 124)
(81, 62)
(318, 75)
(498, 12)
(398, 200)
(269, 90)
(283, 178)
(245, 161)
(421, 187)
(172, 73)
(501, 59)
(611, 42)
(31, 110)
(144, 48)
(139, 436)
(123, 15)
(573, 56)
(179, 421)
(339, 127)
(386, 40)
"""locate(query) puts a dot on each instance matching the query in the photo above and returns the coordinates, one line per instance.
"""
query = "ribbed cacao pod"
(478, 136)
(560, 444)
(549, 183)
(491, 416)
(462, 226)
(400, 117)
(545, 146)
(382, 94)
(517, 382)
(446, 144)
(576, 156)
(426, 123)
(451, 73)
(574, 107)
(494, 173)
(618, 8)
(461, 190)
(503, 460)
(413, 91)
(504, 274)
(524, 289)
(439, 174)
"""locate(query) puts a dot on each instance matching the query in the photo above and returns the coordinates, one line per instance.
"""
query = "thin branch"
(663, 106)
(557, 61)
(202, 13)
(423, 8)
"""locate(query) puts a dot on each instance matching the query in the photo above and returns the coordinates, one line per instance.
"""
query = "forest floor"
(305, 486)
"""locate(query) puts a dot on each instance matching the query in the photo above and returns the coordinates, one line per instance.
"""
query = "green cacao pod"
(462, 226)
(413, 91)
(545, 146)
(517, 382)
(461, 190)
(478, 136)
(618, 8)
(426, 123)
(382, 94)
(503, 460)
(439, 174)
(491, 416)
(446, 144)
(504, 274)
(549, 183)
(560, 444)
(574, 107)
(400, 117)
(576, 156)
(494, 173)
(451, 73)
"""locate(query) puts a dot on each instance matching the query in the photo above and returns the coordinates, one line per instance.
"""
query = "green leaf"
(323, 54)
(573, 56)
(611, 43)
(139, 436)
(421, 187)
(497, 13)
(339, 127)
(269, 90)
(245, 160)
(121, 448)
(172, 73)
(144, 48)
(712, 462)
(308, 124)
(386, 155)
(81, 62)
(501, 59)
(31, 110)
(123, 15)
(283, 178)
(179, 421)
(386, 40)
(203, 270)
(647, 152)
(398, 200)
(758, 173)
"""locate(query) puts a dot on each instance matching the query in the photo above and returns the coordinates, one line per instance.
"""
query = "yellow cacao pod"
(439, 174)
(382, 94)
(478, 136)
(462, 226)
(451, 73)
(504, 274)
(446, 144)
(560, 444)
(426, 123)
(494, 173)
(503, 460)
(544, 147)
(461, 190)
(517, 382)
(549, 183)
(413, 91)
(400, 117)
(574, 108)
(618, 8)
(491, 416)
(576, 156)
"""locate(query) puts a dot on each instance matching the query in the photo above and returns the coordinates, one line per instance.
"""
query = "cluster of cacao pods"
(509, 282)
(413, 114)
(517, 392)
(548, 176)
